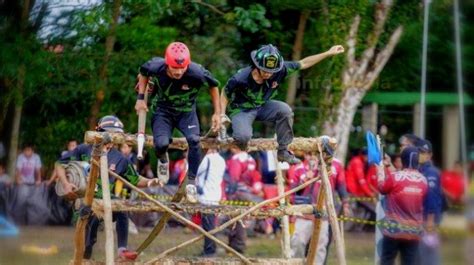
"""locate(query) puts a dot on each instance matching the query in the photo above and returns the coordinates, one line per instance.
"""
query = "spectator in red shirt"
(356, 176)
(244, 183)
(304, 225)
(404, 192)
(452, 183)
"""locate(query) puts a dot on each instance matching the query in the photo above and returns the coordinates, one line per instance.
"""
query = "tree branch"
(381, 15)
(382, 57)
(351, 43)
(213, 8)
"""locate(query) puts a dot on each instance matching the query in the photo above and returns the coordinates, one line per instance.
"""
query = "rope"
(76, 173)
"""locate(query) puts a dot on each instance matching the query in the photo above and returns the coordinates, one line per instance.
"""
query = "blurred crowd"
(237, 175)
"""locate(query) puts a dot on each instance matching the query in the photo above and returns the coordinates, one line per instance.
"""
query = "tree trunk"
(345, 115)
(109, 46)
(13, 149)
(296, 56)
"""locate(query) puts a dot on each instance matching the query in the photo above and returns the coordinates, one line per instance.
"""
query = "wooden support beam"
(227, 210)
(234, 220)
(298, 144)
(326, 186)
(109, 230)
(79, 235)
(178, 216)
(313, 245)
(285, 220)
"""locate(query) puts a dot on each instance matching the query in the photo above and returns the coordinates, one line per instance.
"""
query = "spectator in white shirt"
(28, 167)
(209, 185)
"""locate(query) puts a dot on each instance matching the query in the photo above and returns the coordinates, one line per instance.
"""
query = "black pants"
(237, 237)
(390, 247)
(121, 227)
(164, 121)
(208, 223)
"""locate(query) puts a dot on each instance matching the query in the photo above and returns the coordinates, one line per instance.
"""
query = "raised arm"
(223, 101)
(309, 61)
(140, 104)
(214, 92)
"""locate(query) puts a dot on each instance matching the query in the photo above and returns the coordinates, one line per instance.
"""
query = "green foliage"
(60, 88)
(251, 19)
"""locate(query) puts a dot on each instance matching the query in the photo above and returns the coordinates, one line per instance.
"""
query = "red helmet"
(177, 55)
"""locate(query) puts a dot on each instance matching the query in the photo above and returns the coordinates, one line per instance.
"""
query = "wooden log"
(109, 231)
(178, 216)
(285, 221)
(207, 261)
(79, 234)
(227, 210)
(298, 144)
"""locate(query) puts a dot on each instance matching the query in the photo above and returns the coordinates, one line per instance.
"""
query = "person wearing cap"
(120, 165)
(407, 140)
(433, 204)
(176, 84)
(404, 191)
(249, 96)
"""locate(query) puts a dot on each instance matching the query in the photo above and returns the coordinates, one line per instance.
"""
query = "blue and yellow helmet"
(267, 58)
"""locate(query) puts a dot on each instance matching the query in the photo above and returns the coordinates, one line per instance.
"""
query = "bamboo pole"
(285, 221)
(178, 216)
(233, 220)
(313, 245)
(331, 210)
(79, 236)
(298, 144)
(109, 233)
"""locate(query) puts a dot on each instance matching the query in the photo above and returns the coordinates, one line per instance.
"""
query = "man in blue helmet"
(250, 93)
(120, 165)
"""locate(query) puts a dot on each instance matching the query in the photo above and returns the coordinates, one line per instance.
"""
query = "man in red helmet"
(176, 83)
(250, 94)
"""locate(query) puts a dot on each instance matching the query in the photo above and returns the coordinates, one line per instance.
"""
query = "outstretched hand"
(336, 49)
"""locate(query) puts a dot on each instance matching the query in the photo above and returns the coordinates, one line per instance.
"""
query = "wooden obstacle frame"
(104, 207)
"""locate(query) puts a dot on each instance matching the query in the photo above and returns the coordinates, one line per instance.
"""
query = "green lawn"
(359, 246)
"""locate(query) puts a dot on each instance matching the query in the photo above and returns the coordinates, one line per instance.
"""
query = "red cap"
(177, 55)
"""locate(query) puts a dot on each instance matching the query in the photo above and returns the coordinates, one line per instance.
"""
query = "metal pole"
(459, 82)
(423, 69)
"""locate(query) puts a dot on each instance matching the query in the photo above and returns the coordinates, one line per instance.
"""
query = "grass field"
(359, 246)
